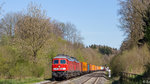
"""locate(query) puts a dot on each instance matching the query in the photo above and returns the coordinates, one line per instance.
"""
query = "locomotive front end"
(59, 67)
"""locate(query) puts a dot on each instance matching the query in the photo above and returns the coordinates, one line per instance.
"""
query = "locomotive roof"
(67, 57)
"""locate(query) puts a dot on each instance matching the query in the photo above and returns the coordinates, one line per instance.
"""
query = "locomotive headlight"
(62, 68)
(55, 68)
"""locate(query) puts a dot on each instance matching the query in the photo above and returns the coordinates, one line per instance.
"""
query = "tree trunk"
(34, 57)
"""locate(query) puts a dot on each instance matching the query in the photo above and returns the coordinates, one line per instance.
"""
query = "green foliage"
(79, 55)
(20, 81)
(9, 57)
(147, 71)
(93, 46)
(105, 50)
(13, 64)
(116, 66)
(4, 40)
(132, 61)
(52, 54)
(36, 70)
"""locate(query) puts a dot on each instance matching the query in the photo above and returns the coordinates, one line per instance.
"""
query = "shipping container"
(88, 68)
(93, 67)
(84, 67)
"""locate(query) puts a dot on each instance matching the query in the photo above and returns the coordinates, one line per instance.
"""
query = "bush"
(147, 71)
(36, 70)
(8, 59)
(131, 61)
(14, 65)
(117, 65)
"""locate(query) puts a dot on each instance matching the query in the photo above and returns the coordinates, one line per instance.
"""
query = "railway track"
(96, 81)
(92, 80)
(85, 81)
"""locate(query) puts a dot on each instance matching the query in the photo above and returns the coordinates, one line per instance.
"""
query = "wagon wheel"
(67, 76)
(53, 79)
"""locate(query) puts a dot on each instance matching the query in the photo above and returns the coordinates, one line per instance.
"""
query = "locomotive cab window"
(63, 61)
(55, 61)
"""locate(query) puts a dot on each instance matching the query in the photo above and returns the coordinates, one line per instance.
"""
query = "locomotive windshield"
(63, 61)
(55, 61)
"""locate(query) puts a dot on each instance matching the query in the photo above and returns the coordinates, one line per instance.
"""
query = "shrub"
(147, 71)
(131, 61)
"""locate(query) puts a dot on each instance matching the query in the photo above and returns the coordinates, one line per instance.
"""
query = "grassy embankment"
(20, 81)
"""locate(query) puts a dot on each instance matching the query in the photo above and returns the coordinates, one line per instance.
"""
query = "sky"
(97, 20)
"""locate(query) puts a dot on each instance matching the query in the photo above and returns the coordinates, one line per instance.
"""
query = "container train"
(65, 67)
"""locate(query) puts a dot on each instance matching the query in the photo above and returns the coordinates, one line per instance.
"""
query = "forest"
(29, 39)
(134, 54)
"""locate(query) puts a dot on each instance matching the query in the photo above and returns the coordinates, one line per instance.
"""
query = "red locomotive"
(65, 67)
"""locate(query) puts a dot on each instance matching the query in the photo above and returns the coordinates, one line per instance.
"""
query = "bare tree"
(132, 12)
(70, 33)
(33, 30)
(8, 23)
(57, 28)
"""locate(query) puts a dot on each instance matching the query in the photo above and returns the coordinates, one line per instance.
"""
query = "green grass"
(20, 81)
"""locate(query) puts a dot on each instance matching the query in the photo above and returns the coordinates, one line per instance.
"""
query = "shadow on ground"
(50, 79)
(116, 82)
